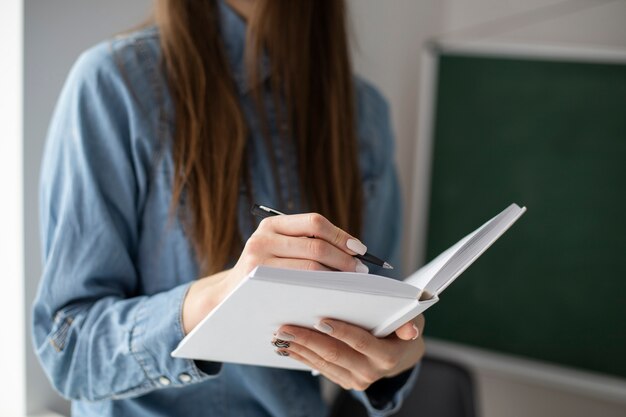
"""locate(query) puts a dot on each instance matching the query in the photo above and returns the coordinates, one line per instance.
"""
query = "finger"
(327, 348)
(412, 329)
(408, 331)
(315, 225)
(301, 264)
(337, 379)
(357, 338)
(319, 363)
(317, 250)
(347, 378)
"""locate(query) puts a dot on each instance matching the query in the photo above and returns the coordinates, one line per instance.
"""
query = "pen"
(264, 211)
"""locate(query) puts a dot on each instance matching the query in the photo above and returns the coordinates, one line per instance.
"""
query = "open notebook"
(240, 329)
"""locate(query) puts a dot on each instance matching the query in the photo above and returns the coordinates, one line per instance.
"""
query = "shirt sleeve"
(94, 332)
(389, 394)
(383, 228)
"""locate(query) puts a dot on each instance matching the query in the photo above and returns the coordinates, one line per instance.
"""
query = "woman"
(160, 143)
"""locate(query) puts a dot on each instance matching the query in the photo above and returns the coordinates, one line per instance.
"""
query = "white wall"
(12, 384)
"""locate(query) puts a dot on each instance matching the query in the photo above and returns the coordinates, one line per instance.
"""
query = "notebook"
(240, 329)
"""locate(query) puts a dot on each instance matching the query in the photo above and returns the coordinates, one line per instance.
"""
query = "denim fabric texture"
(117, 267)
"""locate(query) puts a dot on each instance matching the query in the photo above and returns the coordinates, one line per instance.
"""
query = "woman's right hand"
(279, 241)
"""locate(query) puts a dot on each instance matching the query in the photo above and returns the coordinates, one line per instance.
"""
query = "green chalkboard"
(550, 136)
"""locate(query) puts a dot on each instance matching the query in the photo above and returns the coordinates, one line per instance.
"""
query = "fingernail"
(280, 343)
(282, 352)
(356, 246)
(361, 267)
(324, 327)
(285, 336)
(417, 332)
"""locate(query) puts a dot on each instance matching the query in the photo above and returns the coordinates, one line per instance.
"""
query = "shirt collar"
(233, 30)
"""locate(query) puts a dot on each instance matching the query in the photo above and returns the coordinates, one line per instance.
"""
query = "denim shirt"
(117, 265)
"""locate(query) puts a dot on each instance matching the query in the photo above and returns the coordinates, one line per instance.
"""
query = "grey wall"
(389, 38)
(598, 23)
(55, 32)
(390, 35)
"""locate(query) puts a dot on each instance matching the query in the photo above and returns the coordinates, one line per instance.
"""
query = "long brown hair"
(306, 42)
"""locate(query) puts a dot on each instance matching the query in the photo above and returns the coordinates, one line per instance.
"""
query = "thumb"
(408, 331)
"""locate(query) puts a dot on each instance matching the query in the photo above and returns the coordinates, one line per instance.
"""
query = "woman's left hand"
(349, 355)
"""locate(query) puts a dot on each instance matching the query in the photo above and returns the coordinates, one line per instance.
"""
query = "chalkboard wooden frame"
(420, 190)
(426, 116)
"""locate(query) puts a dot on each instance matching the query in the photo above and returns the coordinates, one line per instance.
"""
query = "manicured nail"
(282, 352)
(280, 343)
(417, 332)
(356, 246)
(324, 327)
(361, 267)
(284, 336)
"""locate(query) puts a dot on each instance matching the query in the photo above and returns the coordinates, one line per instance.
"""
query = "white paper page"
(474, 249)
(434, 276)
(422, 276)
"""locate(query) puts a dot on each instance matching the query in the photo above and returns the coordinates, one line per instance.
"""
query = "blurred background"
(493, 101)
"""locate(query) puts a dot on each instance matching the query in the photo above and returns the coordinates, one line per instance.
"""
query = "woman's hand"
(279, 241)
(350, 356)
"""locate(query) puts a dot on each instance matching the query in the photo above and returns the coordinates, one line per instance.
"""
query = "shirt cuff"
(157, 331)
(396, 395)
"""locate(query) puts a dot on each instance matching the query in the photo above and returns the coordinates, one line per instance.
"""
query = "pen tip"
(387, 266)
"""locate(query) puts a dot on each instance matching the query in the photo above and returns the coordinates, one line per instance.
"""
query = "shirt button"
(184, 378)
(165, 381)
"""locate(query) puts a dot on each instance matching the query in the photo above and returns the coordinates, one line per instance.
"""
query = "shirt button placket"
(184, 378)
